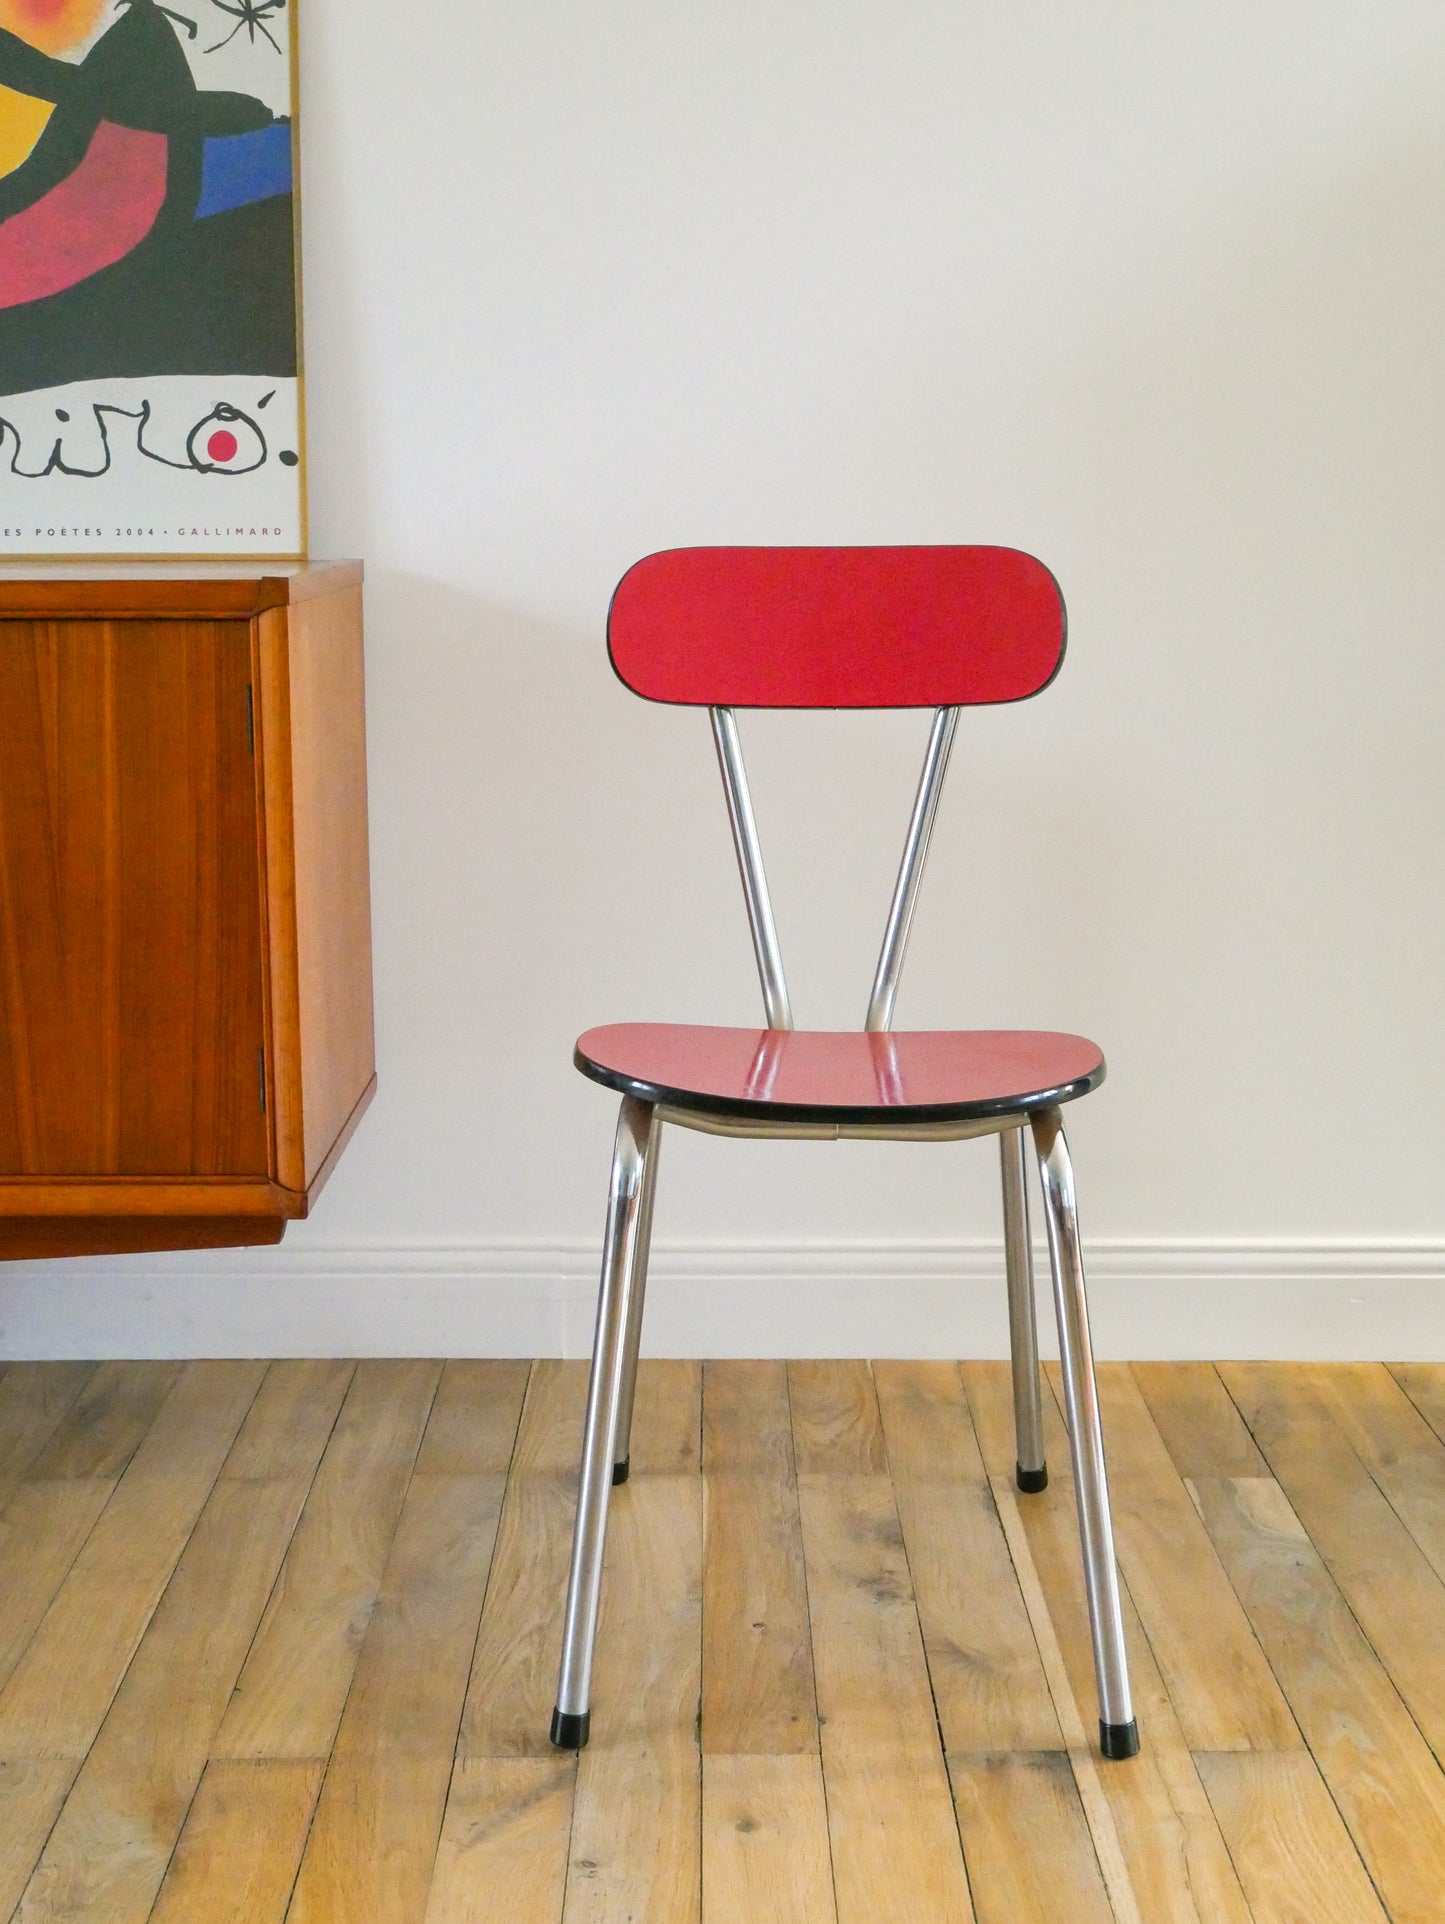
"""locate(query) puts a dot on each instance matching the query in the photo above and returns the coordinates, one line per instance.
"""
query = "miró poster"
(150, 398)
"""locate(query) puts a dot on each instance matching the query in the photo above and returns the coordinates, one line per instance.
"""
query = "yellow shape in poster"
(54, 26)
(22, 122)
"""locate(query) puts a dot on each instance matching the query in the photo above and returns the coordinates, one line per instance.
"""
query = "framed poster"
(150, 371)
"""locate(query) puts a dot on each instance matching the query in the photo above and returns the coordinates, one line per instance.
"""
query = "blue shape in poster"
(237, 169)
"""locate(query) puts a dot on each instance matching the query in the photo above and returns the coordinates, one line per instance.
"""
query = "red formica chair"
(937, 627)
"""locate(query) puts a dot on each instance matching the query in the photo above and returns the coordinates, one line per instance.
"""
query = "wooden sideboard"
(186, 1038)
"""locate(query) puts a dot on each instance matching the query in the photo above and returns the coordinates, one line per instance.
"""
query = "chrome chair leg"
(1118, 1731)
(632, 1337)
(572, 1716)
(1031, 1471)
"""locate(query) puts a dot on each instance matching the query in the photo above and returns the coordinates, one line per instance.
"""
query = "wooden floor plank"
(895, 1848)
(1396, 1445)
(837, 1430)
(291, 1420)
(472, 1429)
(507, 1826)
(634, 1855)
(1202, 1430)
(105, 1859)
(1292, 1852)
(747, 1424)
(667, 1419)
(1379, 1568)
(145, 1538)
(513, 1685)
(1424, 1384)
(1157, 1839)
(1222, 1689)
(31, 1797)
(374, 1840)
(104, 1426)
(549, 1440)
(35, 1398)
(44, 1527)
(1030, 1856)
(1378, 1767)
(988, 1682)
(237, 1858)
(289, 1699)
(765, 1841)
(757, 1680)
(60, 1691)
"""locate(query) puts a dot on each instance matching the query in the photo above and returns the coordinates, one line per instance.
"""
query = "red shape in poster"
(91, 219)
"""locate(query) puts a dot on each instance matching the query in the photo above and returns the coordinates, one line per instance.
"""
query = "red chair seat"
(826, 1076)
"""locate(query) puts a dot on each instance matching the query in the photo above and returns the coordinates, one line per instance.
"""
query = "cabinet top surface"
(234, 589)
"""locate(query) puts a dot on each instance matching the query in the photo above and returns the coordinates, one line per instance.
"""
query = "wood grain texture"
(318, 892)
(105, 1425)
(513, 1684)
(636, 1818)
(61, 1689)
(1379, 1769)
(507, 1827)
(149, 1572)
(104, 1861)
(1030, 1857)
(837, 1430)
(1157, 1839)
(35, 1398)
(667, 1419)
(1424, 1384)
(1383, 1575)
(1393, 1441)
(988, 1682)
(1202, 1430)
(1293, 1854)
(896, 1853)
(757, 1682)
(185, 961)
(1222, 1690)
(289, 1698)
(130, 905)
(188, 591)
(31, 1798)
(472, 1429)
(237, 1857)
(765, 1857)
(42, 1531)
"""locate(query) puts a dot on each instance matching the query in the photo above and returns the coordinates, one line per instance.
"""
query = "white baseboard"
(1318, 1299)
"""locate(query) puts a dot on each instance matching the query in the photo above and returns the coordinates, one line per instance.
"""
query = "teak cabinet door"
(132, 994)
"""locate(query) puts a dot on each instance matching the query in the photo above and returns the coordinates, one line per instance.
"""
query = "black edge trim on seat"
(830, 1113)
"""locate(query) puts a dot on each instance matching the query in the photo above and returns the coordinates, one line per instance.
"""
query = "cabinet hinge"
(261, 1077)
(250, 721)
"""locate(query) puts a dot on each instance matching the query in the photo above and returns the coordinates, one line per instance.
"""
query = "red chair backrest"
(836, 627)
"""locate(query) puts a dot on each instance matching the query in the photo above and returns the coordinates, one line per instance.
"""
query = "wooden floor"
(278, 1642)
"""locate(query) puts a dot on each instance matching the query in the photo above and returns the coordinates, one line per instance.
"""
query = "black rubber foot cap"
(621, 1471)
(1115, 1740)
(570, 1729)
(1032, 1481)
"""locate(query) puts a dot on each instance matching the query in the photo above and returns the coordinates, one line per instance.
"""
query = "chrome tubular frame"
(750, 866)
(632, 1336)
(910, 870)
(571, 1717)
(1118, 1732)
(1032, 1473)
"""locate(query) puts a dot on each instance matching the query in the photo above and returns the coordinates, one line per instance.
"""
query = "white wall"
(1158, 293)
